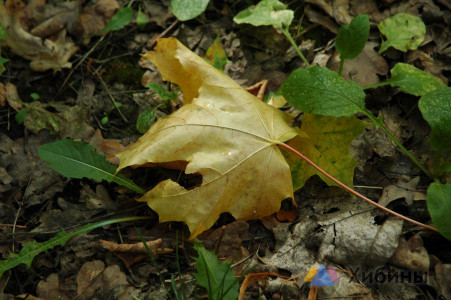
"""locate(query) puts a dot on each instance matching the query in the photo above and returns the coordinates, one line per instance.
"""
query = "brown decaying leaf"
(224, 134)
(12, 96)
(132, 253)
(252, 278)
(443, 272)
(364, 68)
(2, 95)
(47, 45)
(44, 54)
(404, 188)
(411, 254)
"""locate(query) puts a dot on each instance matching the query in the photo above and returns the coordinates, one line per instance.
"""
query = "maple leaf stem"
(355, 192)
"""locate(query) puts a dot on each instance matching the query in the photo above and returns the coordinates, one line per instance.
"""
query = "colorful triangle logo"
(322, 278)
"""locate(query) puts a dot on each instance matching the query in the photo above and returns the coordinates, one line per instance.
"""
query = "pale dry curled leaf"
(132, 253)
(44, 54)
(222, 133)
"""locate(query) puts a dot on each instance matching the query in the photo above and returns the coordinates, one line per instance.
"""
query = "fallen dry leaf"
(252, 278)
(364, 69)
(44, 54)
(404, 188)
(222, 133)
(411, 254)
(132, 253)
(443, 272)
(2, 95)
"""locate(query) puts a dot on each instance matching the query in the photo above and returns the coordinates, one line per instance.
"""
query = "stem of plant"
(290, 38)
(376, 85)
(397, 142)
(354, 192)
(340, 69)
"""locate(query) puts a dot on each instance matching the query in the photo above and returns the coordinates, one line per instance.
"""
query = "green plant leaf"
(141, 19)
(413, 80)
(31, 249)
(266, 12)
(121, 19)
(165, 95)
(3, 35)
(35, 96)
(186, 10)
(403, 32)
(436, 109)
(104, 120)
(78, 160)
(21, 115)
(145, 119)
(216, 55)
(328, 146)
(352, 38)
(217, 277)
(321, 91)
(439, 205)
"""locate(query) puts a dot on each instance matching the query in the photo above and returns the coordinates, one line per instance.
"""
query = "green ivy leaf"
(328, 146)
(352, 38)
(145, 119)
(321, 91)
(217, 277)
(121, 19)
(403, 32)
(78, 160)
(216, 54)
(412, 80)
(436, 109)
(165, 95)
(439, 205)
(186, 10)
(266, 12)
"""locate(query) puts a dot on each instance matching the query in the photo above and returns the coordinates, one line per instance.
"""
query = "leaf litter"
(386, 168)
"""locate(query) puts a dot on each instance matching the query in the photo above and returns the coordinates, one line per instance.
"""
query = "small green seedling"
(21, 115)
(147, 117)
(141, 19)
(35, 96)
(106, 118)
(120, 19)
(217, 277)
(271, 13)
(351, 39)
(216, 54)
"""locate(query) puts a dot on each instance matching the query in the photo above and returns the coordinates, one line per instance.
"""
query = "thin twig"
(163, 34)
(109, 95)
(79, 63)
(354, 192)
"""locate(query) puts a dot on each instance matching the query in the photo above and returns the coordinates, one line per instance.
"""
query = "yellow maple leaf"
(224, 134)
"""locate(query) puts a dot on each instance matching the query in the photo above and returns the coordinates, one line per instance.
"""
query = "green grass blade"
(31, 249)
